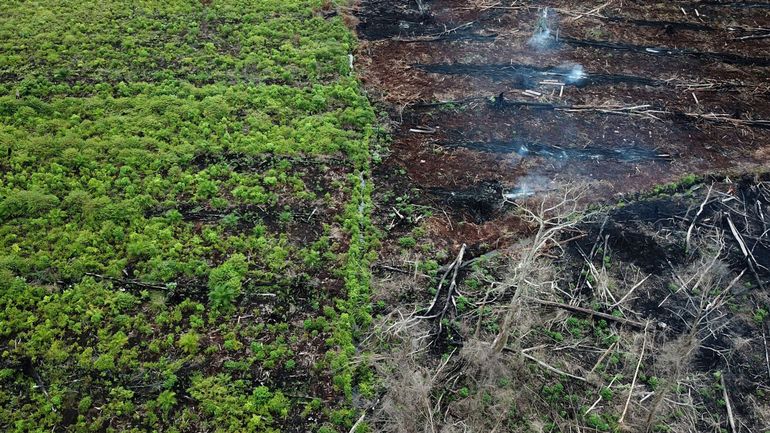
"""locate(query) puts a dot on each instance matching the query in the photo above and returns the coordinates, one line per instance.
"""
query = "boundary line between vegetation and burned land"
(351, 372)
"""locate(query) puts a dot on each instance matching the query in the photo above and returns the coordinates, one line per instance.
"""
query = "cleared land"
(576, 207)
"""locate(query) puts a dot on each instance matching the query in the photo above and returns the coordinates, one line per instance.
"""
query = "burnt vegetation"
(646, 317)
(551, 263)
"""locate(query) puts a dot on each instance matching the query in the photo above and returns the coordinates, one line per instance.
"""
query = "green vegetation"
(681, 185)
(184, 227)
(760, 315)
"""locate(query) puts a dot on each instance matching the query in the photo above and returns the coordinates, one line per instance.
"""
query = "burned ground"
(623, 97)
(648, 310)
(646, 316)
(627, 96)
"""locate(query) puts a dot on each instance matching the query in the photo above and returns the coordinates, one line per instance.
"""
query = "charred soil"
(648, 311)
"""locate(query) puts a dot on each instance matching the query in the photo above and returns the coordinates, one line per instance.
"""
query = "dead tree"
(551, 220)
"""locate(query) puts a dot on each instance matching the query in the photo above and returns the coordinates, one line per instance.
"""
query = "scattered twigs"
(697, 215)
(604, 355)
(600, 396)
(433, 37)
(357, 423)
(455, 267)
(633, 381)
(438, 291)
(767, 354)
(600, 276)
(531, 93)
(634, 287)
(633, 110)
(729, 58)
(593, 12)
(738, 236)
(420, 6)
(393, 269)
(551, 221)
(553, 369)
(545, 365)
(588, 312)
(646, 111)
(470, 262)
(583, 279)
(725, 118)
(750, 260)
(726, 397)
(363, 415)
(705, 84)
(703, 301)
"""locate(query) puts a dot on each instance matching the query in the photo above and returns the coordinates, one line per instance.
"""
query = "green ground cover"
(184, 226)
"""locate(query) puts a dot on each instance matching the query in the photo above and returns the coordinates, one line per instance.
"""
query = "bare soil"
(658, 93)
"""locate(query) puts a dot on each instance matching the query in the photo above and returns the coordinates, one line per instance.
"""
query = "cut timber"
(423, 130)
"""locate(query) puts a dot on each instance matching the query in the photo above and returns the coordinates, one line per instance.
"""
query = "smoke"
(528, 186)
(546, 31)
(575, 74)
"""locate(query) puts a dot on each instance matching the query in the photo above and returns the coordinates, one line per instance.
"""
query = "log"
(588, 312)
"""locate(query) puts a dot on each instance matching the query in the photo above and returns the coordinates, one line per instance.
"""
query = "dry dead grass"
(515, 351)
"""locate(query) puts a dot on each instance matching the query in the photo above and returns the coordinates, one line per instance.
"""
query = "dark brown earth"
(664, 90)
(661, 109)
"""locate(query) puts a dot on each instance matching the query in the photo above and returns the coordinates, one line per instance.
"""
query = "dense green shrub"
(225, 282)
(26, 204)
(158, 155)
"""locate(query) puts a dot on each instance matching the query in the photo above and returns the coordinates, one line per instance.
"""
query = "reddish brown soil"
(676, 65)
(668, 91)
